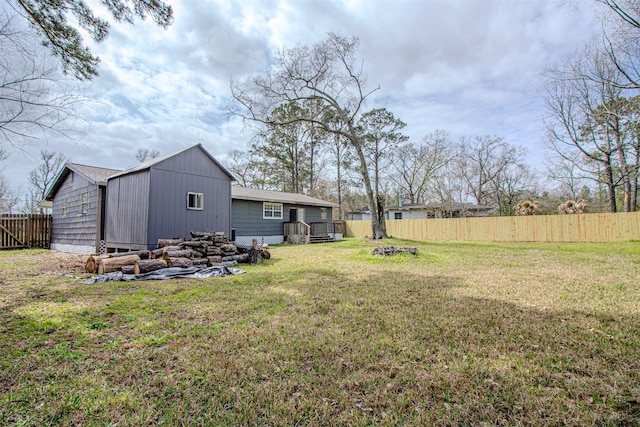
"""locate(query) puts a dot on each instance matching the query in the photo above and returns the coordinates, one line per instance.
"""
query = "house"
(274, 217)
(424, 211)
(97, 209)
(167, 197)
(77, 199)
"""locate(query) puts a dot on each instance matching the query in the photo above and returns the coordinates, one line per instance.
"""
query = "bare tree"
(144, 154)
(621, 40)
(328, 74)
(590, 119)
(44, 175)
(381, 132)
(34, 98)
(415, 165)
(482, 162)
(342, 159)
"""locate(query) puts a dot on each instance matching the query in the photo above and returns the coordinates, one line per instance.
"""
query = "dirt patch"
(44, 262)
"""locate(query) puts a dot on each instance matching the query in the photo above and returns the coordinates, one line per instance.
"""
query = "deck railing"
(297, 232)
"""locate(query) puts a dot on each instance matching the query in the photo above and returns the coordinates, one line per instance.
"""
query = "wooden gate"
(25, 231)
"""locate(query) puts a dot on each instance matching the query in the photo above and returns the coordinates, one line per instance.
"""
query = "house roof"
(437, 206)
(93, 174)
(150, 163)
(429, 207)
(245, 193)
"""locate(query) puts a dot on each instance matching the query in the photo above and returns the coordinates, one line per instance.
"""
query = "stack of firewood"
(202, 250)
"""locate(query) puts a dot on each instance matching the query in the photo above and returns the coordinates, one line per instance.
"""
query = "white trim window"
(271, 210)
(85, 203)
(195, 201)
(323, 213)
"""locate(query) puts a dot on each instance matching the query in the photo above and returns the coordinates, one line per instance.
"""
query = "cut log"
(91, 266)
(199, 262)
(156, 253)
(149, 265)
(228, 248)
(214, 260)
(179, 262)
(194, 244)
(128, 269)
(182, 253)
(108, 265)
(142, 254)
(169, 242)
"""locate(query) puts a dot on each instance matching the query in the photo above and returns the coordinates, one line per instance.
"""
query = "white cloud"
(465, 66)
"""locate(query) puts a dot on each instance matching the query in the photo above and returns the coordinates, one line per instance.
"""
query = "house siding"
(75, 231)
(248, 221)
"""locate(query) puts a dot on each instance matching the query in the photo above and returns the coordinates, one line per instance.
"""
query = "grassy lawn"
(462, 334)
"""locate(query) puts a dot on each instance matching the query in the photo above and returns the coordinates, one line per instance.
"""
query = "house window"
(64, 207)
(397, 215)
(194, 201)
(272, 210)
(323, 213)
(85, 203)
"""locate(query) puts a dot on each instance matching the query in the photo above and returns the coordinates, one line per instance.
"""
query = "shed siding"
(127, 210)
(193, 162)
(169, 216)
(75, 229)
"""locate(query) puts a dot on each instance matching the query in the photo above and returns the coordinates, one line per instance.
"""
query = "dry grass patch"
(508, 334)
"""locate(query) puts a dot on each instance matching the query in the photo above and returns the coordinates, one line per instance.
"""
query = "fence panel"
(600, 227)
(25, 231)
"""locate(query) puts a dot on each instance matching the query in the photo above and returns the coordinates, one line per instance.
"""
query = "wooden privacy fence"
(602, 227)
(25, 231)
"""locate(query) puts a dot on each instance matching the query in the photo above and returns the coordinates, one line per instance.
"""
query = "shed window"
(272, 210)
(397, 215)
(323, 213)
(85, 203)
(194, 201)
(64, 207)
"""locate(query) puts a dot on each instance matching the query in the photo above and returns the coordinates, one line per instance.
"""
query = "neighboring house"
(271, 216)
(77, 200)
(424, 211)
(167, 197)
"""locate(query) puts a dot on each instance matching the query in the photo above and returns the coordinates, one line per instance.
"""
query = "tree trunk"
(91, 266)
(182, 253)
(179, 262)
(128, 269)
(378, 226)
(109, 265)
(169, 242)
(149, 265)
(142, 254)
(611, 188)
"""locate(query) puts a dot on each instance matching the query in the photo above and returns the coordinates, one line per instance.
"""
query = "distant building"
(425, 211)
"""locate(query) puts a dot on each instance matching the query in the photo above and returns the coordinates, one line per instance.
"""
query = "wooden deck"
(300, 232)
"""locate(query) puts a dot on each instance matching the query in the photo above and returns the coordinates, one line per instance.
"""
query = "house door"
(296, 214)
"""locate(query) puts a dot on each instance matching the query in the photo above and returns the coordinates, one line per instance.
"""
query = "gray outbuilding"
(167, 197)
(77, 201)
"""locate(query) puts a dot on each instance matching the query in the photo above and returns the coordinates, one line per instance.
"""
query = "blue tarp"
(167, 273)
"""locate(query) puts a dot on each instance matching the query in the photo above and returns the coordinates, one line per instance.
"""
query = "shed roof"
(245, 193)
(157, 160)
(93, 174)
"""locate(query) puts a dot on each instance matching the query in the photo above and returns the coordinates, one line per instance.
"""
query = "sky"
(469, 67)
